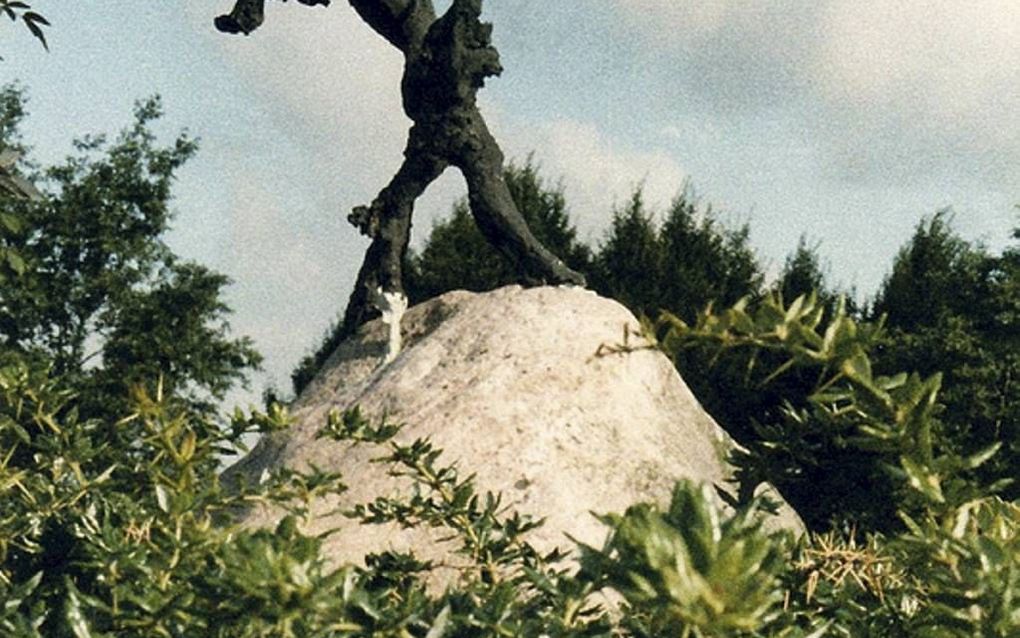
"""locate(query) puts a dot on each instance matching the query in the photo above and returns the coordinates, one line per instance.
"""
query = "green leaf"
(76, 620)
(22, 591)
(11, 222)
(162, 498)
(893, 382)
(188, 446)
(35, 17)
(922, 479)
(858, 369)
(979, 458)
(440, 624)
(15, 261)
(32, 21)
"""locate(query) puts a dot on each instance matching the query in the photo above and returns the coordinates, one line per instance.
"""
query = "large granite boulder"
(522, 387)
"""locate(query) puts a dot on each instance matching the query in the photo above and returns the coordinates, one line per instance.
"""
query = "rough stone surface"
(509, 384)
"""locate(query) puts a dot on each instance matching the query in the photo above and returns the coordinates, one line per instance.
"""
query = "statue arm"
(247, 15)
(402, 22)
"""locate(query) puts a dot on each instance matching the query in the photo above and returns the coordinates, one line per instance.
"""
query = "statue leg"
(481, 162)
(387, 220)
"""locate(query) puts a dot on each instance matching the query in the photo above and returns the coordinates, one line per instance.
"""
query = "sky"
(843, 121)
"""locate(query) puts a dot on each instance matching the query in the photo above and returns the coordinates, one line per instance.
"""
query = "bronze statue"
(446, 61)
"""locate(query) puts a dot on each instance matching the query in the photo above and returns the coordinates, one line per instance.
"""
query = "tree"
(936, 275)
(802, 272)
(628, 265)
(12, 184)
(98, 294)
(953, 306)
(688, 262)
(703, 261)
(446, 60)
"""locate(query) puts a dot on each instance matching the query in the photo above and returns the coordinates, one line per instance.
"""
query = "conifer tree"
(628, 265)
(457, 255)
(703, 261)
(952, 306)
(803, 274)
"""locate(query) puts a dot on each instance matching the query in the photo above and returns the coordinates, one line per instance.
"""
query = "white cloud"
(336, 84)
(597, 171)
(737, 54)
(940, 58)
(662, 19)
(890, 90)
(923, 83)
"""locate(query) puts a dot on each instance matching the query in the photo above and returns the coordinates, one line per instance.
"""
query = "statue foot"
(227, 24)
(563, 276)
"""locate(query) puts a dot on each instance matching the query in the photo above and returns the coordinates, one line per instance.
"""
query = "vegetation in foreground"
(114, 522)
(101, 539)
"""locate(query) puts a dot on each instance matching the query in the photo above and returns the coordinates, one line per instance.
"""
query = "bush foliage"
(100, 538)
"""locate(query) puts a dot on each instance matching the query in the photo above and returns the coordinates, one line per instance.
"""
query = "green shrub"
(859, 447)
(690, 570)
(132, 535)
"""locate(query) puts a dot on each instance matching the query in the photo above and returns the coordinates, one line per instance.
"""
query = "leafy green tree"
(12, 151)
(96, 291)
(952, 306)
(12, 184)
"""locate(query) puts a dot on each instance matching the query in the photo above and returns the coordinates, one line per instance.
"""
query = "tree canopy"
(952, 306)
(90, 285)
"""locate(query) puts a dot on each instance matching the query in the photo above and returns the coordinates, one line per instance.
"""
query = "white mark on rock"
(392, 305)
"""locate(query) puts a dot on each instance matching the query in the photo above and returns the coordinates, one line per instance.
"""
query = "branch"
(32, 20)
